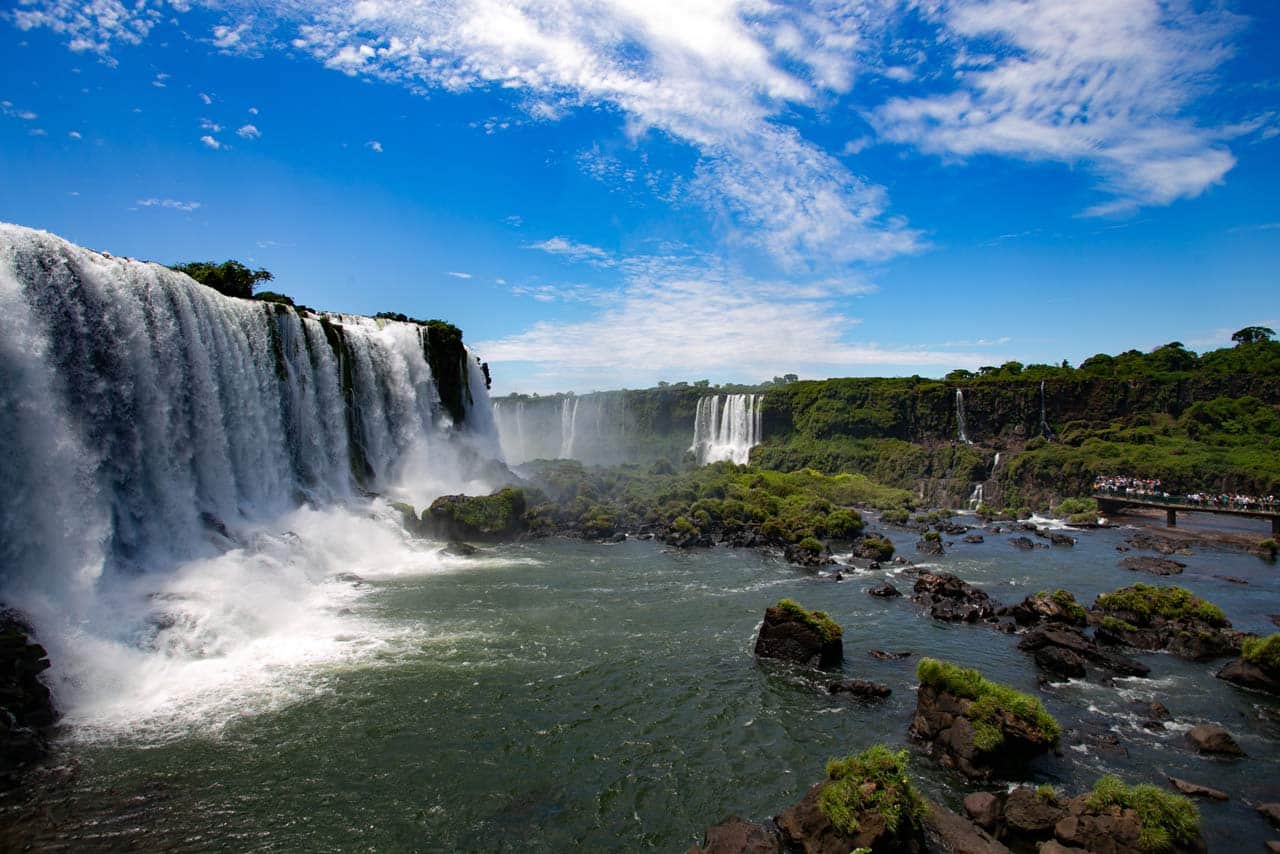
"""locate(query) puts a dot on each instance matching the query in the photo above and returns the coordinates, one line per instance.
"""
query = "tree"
(230, 277)
(1253, 335)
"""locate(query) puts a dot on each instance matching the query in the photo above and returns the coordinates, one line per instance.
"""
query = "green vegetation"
(230, 277)
(878, 548)
(1116, 625)
(991, 701)
(1143, 604)
(819, 621)
(499, 514)
(1046, 792)
(1067, 602)
(1263, 652)
(932, 536)
(1168, 821)
(1076, 507)
(1270, 547)
(875, 779)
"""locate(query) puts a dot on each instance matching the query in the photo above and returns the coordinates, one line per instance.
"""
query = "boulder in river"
(1165, 618)
(1056, 607)
(26, 707)
(1152, 565)
(1215, 741)
(952, 600)
(791, 633)
(884, 591)
(1258, 666)
(498, 516)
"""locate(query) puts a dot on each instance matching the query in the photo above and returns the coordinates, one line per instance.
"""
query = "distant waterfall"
(964, 437)
(976, 497)
(727, 427)
(591, 428)
(1045, 430)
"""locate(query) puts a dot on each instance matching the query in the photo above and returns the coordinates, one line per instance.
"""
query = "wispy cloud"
(8, 109)
(458, 275)
(211, 142)
(1108, 85)
(374, 145)
(170, 204)
(210, 125)
(574, 251)
(206, 99)
(74, 134)
(248, 132)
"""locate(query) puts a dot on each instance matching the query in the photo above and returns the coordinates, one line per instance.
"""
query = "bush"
(881, 546)
(898, 516)
(811, 545)
(1145, 603)
(230, 277)
(875, 779)
(1264, 652)
(1076, 506)
(1169, 821)
(1269, 545)
(932, 536)
(990, 701)
(1063, 599)
(819, 621)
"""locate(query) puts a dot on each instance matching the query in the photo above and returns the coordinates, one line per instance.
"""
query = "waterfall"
(158, 438)
(976, 497)
(1044, 421)
(995, 464)
(727, 427)
(960, 416)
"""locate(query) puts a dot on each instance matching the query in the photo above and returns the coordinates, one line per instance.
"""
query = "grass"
(1168, 820)
(819, 621)
(875, 779)
(1144, 603)
(1263, 652)
(991, 700)
(1067, 602)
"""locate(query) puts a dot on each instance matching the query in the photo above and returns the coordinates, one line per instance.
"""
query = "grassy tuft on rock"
(875, 779)
(1144, 603)
(819, 621)
(991, 701)
(1263, 652)
(1168, 820)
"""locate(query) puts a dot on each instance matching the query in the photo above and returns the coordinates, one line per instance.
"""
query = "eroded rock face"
(736, 835)
(1062, 651)
(952, 600)
(1249, 675)
(929, 546)
(946, 723)
(786, 637)
(805, 828)
(26, 708)
(1049, 608)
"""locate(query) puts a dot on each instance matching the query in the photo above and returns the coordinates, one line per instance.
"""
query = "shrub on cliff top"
(230, 277)
(1168, 820)
(1264, 652)
(1145, 602)
(990, 701)
(875, 779)
(819, 621)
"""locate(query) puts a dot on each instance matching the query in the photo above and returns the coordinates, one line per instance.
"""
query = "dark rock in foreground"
(1214, 740)
(1165, 618)
(860, 688)
(736, 835)
(1057, 607)
(1062, 651)
(791, 633)
(952, 600)
(884, 591)
(1153, 565)
(1246, 674)
(26, 708)
(1188, 788)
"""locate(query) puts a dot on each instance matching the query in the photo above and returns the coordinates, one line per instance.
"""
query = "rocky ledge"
(1258, 666)
(808, 638)
(26, 708)
(952, 600)
(1164, 618)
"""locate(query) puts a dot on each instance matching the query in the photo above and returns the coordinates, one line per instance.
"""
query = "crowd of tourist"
(1152, 489)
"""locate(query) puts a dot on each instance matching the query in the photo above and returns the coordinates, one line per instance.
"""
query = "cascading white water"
(727, 427)
(964, 437)
(1045, 430)
(591, 428)
(976, 497)
(185, 474)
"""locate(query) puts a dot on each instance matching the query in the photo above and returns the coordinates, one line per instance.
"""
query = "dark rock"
(619, 537)
(1047, 608)
(460, 549)
(1061, 539)
(943, 721)
(348, 578)
(1271, 812)
(1028, 816)
(499, 516)
(972, 539)
(26, 707)
(1023, 543)
(785, 636)
(929, 546)
(890, 656)
(985, 808)
(1196, 790)
(1115, 830)
(1153, 565)
(1053, 846)
(1159, 545)
(1214, 740)
(1246, 674)
(1275, 619)
(805, 828)
(884, 591)
(947, 832)
(1231, 579)
(859, 688)
(952, 600)
(1066, 638)
(804, 557)
(736, 835)
(1059, 663)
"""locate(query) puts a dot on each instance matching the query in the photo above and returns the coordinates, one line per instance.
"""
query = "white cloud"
(253, 111)
(8, 109)
(515, 221)
(237, 39)
(457, 275)
(75, 134)
(1104, 83)
(374, 145)
(207, 100)
(211, 142)
(38, 132)
(248, 132)
(210, 125)
(170, 204)
(573, 251)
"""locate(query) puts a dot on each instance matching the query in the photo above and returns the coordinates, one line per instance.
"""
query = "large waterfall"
(185, 474)
(960, 425)
(727, 427)
(591, 428)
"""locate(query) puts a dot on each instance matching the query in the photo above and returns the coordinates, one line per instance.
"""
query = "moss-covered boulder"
(500, 516)
(1045, 607)
(792, 633)
(1258, 666)
(976, 727)
(26, 708)
(1165, 618)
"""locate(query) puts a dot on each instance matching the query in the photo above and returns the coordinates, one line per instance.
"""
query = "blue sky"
(607, 194)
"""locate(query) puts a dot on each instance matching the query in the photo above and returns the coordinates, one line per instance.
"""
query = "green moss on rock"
(819, 621)
(1263, 652)
(1169, 821)
(1143, 604)
(991, 701)
(874, 780)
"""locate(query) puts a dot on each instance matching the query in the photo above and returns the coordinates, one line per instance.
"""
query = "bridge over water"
(1110, 502)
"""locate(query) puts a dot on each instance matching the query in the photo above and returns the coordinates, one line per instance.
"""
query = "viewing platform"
(1111, 502)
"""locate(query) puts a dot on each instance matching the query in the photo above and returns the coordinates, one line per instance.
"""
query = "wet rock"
(1271, 812)
(1214, 740)
(1195, 790)
(1246, 674)
(1059, 607)
(1153, 565)
(929, 546)
(1060, 664)
(945, 722)
(804, 557)
(26, 707)
(985, 808)
(860, 688)
(498, 516)
(1029, 816)
(890, 656)
(884, 591)
(952, 600)
(1275, 619)
(947, 832)
(348, 578)
(736, 835)
(1159, 545)
(972, 539)
(1061, 539)
(787, 635)
(1231, 579)
(1023, 543)
(1066, 638)
(460, 549)
(805, 828)
(1053, 846)
(1135, 616)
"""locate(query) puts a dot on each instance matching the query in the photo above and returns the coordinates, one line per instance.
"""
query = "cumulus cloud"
(211, 142)
(1108, 85)
(170, 204)
(206, 99)
(248, 132)
(210, 125)
(75, 134)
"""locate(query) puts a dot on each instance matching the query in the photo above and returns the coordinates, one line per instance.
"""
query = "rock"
(953, 601)
(1231, 579)
(736, 835)
(787, 635)
(1060, 663)
(972, 539)
(805, 828)
(884, 591)
(1196, 790)
(1059, 607)
(860, 688)
(801, 556)
(929, 546)
(1273, 845)
(985, 808)
(1159, 545)
(498, 516)
(943, 720)
(1214, 740)
(1164, 618)
(1271, 812)
(460, 549)
(1053, 846)
(348, 578)
(1023, 543)
(890, 656)
(1061, 539)
(26, 707)
(1153, 565)
(1069, 639)
(1028, 816)
(948, 832)
(1246, 674)
(1275, 619)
